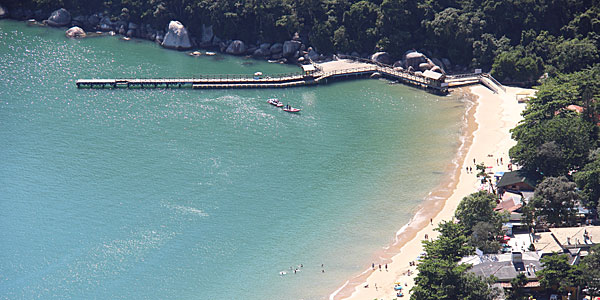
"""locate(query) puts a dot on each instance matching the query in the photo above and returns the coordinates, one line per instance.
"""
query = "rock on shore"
(59, 17)
(177, 37)
(382, 57)
(75, 32)
(236, 47)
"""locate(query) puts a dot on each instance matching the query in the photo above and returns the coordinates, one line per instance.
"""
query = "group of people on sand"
(373, 267)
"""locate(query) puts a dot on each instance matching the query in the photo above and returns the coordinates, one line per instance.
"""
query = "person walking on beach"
(380, 267)
(386, 267)
(373, 266)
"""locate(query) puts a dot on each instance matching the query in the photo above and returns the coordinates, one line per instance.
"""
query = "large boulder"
(382, 58)
(290, 47)
(79, 21)
(59, 17)
(414, 59)
(75, 32)
(276, 48)
(93, 20)
(236, 47)
(207, 34)
(312, 54)
(425, 66)
(177, 37)
(106, 24)
(3, 12)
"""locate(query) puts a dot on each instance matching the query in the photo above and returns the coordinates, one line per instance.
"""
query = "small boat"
(210, 53)
(291, 109)
(275, 102)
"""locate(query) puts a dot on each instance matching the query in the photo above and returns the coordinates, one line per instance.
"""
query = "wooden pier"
(320, 74)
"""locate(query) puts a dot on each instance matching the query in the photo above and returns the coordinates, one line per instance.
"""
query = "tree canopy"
(517, 39)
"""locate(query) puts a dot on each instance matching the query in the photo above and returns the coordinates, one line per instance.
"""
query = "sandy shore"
(487, 139)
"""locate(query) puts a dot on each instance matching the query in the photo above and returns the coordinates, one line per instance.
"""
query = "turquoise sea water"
(193, 194)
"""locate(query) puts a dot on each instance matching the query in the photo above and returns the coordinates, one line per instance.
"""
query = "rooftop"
(502, 266)
(519, 176)
(568, 237)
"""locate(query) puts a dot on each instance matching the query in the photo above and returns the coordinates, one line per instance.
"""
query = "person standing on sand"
(380, 267)
(373, 266)
(386, 267)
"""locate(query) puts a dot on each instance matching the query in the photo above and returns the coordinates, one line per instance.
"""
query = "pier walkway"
(321, 73)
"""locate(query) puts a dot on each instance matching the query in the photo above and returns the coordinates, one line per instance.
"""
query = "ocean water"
(200, 194)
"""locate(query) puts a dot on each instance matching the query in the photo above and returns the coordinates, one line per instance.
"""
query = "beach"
(486, 139)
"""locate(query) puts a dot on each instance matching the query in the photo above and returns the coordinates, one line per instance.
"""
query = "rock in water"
(236, 47)
(75, 32)
(59, 17)
(177, 37)
(382, 58)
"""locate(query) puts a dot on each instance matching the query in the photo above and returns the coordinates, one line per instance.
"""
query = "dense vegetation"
(561, 145)
(520, 38)
(442, 277)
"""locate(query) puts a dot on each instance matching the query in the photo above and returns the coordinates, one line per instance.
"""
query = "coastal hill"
(518, 40)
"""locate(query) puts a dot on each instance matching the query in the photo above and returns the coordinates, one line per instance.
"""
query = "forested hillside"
(521, 39)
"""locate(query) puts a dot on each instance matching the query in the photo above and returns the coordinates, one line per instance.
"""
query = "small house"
(517, 181)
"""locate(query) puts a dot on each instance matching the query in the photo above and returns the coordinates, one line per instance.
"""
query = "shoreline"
(486, 137)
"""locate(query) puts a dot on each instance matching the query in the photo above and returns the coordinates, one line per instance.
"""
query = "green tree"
(588, 181)
(555, 272)
(441, 277)
(477, 207)
(517, 66)
(572, 55)
(517, 291)
(554, 201)
(485, 237)
(451, 244)
(590, 271)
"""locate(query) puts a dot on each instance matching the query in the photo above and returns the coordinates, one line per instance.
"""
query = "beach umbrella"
(506, 237)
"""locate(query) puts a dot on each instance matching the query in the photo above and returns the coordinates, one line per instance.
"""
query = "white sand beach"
(488, 139)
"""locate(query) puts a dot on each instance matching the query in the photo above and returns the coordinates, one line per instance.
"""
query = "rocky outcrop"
(236, 47)
(75, 32)
(207, 35)
(382, 58)
(3, 12)
(133, 30)
(290, 47)
(79, 21)
(177, 37)
(59, 17)
(276, 48)
(312, 54)
(414, 59)
(262, 51)
(425, 66)
(106, 24)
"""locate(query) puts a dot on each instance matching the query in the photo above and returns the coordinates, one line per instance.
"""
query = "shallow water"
(198, 194)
